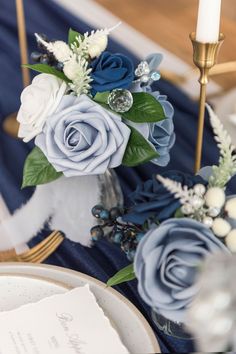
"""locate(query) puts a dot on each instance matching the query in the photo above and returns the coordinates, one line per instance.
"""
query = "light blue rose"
(166, 263)
(82, 138)
(160, 134)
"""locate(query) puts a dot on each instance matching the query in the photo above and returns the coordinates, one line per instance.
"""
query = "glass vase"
(173, 329)
(110, 190)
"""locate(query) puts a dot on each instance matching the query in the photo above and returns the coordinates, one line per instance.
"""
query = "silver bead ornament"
(187, 209)
(197, 202)
(199, 189)
(142, 69)
(155, 76)
(213, 212)
(144, 78)
(207, 221)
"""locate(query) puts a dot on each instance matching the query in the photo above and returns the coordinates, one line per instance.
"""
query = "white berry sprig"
(207, 206)
(190, 198)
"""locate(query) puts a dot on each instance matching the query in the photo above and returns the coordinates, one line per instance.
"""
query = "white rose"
(38, 101)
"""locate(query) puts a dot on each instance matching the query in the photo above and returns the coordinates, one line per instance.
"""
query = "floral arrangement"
(90, 110)
(175, 222)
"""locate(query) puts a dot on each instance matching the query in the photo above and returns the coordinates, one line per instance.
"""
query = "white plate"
(21, 283)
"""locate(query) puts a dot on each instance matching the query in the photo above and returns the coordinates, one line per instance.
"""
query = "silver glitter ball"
(187, 209)
(207, 221)
(120, 100)
(155, 76)
(213, 212)
(199, 189)
(197, 202)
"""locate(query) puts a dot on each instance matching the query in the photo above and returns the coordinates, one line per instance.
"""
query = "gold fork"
(36, 254)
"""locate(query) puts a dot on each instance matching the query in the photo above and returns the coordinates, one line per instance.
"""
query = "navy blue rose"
(151, 200)
(111, 71)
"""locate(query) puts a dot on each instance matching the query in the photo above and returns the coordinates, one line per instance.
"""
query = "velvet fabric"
(104, 259)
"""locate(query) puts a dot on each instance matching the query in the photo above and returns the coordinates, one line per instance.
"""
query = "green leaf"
(179, 214)
(46, 69)
(145, 109)
(72, 36)
(38, 170)
(124, 275)
(102, 97)
(138, 150)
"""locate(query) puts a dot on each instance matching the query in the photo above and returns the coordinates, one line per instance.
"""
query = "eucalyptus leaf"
(46, 69)
(138, 150)
(72, 35)
(145, 109)
(37, 169)
(102, 97)
(124, 275)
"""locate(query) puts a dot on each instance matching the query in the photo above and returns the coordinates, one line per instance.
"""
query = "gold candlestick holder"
(10, 124)
(204, 57)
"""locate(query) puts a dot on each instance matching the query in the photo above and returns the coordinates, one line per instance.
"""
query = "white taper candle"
(208, 23)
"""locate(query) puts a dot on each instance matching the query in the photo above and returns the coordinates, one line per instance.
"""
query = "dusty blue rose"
(152, 201)
(82, 138)
(166, 263)
(161, 134)
(111, 71)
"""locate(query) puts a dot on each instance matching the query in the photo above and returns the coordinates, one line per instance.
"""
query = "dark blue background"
(104, 259)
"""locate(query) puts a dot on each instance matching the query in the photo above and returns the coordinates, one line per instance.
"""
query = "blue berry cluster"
(42, 56)
(112, 228)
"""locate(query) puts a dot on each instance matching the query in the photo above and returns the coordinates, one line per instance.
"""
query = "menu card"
(68, 323)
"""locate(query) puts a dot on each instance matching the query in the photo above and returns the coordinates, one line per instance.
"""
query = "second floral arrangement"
(175, 222)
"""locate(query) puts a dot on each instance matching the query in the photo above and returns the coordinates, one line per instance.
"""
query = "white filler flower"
(38, 101)
(59, 49)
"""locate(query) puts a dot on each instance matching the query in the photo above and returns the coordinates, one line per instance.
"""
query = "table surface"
(104, 259)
